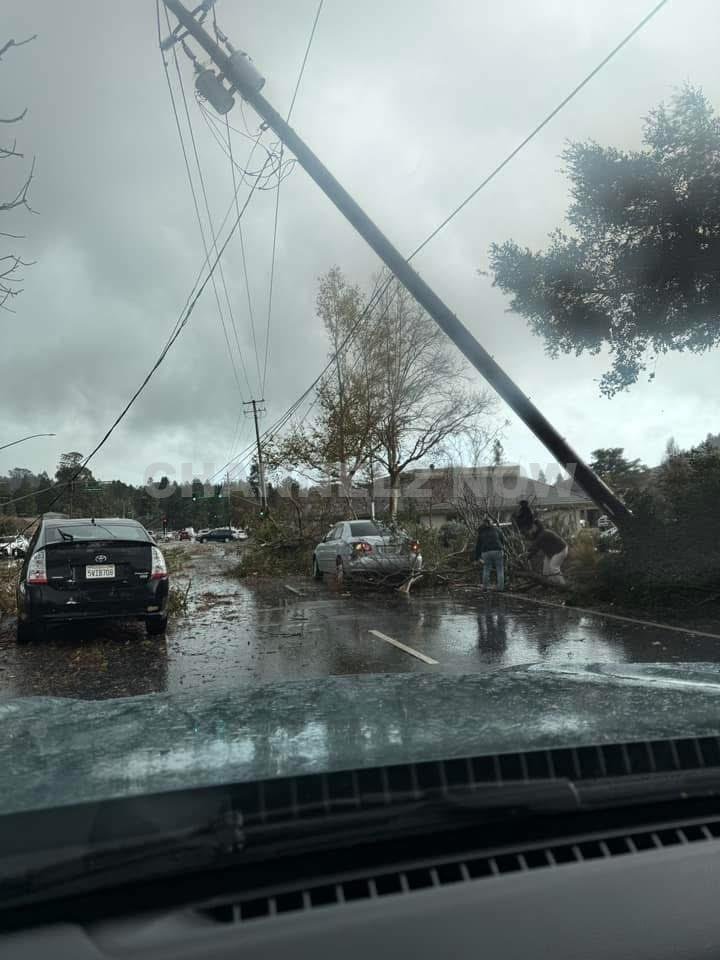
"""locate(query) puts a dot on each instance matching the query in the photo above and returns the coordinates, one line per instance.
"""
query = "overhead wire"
(269, 179)
(179, 326)
(206, 204)
(543, 123)
(251, 312)
(277, 195)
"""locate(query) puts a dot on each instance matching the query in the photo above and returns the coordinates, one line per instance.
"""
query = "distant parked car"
(91, 570)
(184, 535)
(357, 547)
(242, 534)
(218, 535)
(14, 547)
(604, 523)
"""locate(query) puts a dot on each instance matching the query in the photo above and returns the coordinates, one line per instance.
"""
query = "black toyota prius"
(91, 569)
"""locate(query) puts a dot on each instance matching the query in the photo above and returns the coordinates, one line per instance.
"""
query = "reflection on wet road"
(237, 633)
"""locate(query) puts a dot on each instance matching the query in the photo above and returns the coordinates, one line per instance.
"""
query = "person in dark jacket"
(552, 548)
(489, 549)
(524, 518)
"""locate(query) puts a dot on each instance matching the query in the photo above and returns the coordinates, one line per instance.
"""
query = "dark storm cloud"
(410, 104)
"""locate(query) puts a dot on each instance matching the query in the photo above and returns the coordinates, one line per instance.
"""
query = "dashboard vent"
(316, 795)
(440, 873)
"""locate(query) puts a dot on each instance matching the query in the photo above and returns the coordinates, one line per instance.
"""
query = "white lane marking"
(402, 646)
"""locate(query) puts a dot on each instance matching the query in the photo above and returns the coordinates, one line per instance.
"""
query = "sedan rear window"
(95, 531)
(367, 528)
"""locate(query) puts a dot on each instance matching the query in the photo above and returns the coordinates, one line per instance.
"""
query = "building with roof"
(437, 496)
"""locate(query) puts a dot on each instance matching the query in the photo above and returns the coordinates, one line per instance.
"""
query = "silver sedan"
(366, 547)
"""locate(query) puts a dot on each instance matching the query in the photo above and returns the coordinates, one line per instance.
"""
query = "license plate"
(96, 572)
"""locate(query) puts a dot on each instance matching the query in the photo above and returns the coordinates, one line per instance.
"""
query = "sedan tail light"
(159, 567)
(37, 568)
(362, 547)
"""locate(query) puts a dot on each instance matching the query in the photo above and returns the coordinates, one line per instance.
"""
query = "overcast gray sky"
(410, 103)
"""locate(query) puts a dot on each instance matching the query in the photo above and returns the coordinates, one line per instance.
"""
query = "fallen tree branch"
(538, 579)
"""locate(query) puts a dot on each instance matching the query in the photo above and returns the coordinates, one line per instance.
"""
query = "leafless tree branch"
(21, 197)
(17, 119)
(15, 43)
(6, 152)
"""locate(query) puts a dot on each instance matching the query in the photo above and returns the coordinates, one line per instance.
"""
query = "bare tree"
(337, 442)
(396, 394)
(11, 264)
(421, 385)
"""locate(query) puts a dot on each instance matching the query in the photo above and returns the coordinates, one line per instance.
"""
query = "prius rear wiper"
(64, 534)
(225, 840)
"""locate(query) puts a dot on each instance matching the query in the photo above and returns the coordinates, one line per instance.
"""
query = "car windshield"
(427, 471)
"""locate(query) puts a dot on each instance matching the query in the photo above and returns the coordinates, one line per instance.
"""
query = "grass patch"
(8, 579)
(276, 559)
(175, 559)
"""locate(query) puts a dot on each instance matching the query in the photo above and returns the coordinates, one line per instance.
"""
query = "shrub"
(177, 605)
(8, 579)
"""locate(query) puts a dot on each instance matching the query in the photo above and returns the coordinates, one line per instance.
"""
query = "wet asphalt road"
(237, 632)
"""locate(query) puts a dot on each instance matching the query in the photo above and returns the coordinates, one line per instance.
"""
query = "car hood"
(62, 751)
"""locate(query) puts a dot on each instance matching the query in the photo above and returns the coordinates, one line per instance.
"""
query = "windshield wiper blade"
(122, 862)
(64, 534)
(225, 840)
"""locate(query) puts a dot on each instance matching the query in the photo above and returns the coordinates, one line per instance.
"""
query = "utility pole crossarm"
(242, 80)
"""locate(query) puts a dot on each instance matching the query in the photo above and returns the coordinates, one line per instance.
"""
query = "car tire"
(226, 540)
(317, 572)
(202, 540)
(156, 626)
(26, 632)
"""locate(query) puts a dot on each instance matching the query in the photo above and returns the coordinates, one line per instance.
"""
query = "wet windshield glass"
(397, 461)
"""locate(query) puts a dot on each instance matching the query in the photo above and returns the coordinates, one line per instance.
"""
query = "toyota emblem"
(101, 558)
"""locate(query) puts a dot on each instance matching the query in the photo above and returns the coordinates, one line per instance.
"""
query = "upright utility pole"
(261, 469)
(227, 487)
(243, 76)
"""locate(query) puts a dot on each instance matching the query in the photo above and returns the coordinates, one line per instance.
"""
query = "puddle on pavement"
(237, 632)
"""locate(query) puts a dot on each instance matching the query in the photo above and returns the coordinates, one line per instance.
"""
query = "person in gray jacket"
(489, 549)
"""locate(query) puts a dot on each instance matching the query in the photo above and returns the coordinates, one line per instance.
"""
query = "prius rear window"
(367, 528)
(95, 531)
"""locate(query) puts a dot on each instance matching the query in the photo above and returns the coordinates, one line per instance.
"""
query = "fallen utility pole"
(241, 73)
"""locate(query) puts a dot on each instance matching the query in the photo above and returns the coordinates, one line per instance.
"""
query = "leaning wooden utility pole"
(239, 71)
